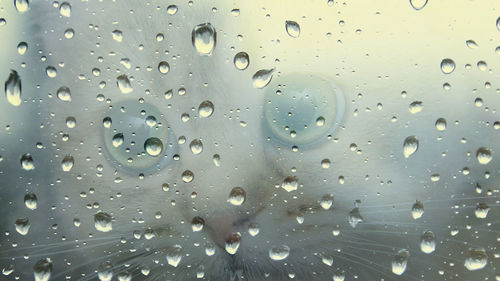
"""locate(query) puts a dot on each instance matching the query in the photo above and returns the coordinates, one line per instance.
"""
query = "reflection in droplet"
(67, 163)
(123, 83)
(105, 271)
(262, 78)
(483, 155)
(51, 71)
(117, 140)
(174, 256)
(241, 61)
(416, 107)
(418, 4)
(22, 226)
(417, 210)
(481, 211)
(410, 146)
(13, 89)
(428, 242)
(27, 162)
(153, 146)
(42, 270)
(206, 109)
(441, 124)
(237, 196)
(196, 146)
(233, 243)
(279, 253)
(197, 224)
(103, 222)
(187, 176)
(400, 262)
(22, 47)
(447, 66)
(65, 9)
(204, 38)
(117, 35)
(163, 67)
(172, 9)
(31, 201)
(477, 259)
(292, 28)
(290, 183)
(64, 94)
(21, 5)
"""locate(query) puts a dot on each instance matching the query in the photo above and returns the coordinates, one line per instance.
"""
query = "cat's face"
(233, 141)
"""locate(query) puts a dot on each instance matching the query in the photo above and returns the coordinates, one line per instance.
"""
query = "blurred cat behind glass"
(144, 147)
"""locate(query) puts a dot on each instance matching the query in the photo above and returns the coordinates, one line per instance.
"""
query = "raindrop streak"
(279, 253)
(483, 155)
(153, 146)
(13, 89)
(292, 28)
(410, 146)
(64, 94)
(418, 4)
(123, 84)
(42, 270)
(447, 66)
(206, 109)
(262, 78)
(21, 5)
(241, 61)
(103, 222)
(204, 39)
(65, 9)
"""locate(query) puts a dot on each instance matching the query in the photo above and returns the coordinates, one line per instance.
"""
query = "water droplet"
(196, 146)
(237, 196)
(339, 275)
(233, 243)
(206, 109)
(13, 89)
(103, 222)
(22, 226)
(107, 122)
(292, 28)
(418, 4)
(326, 201)
(447, 66)
(105, 271)
(253, 229)
(124, 276)
(22, 47)
(8, 269)
(482, 65)
(320, 121)
(483, 155)
(174, 256)
(262, 78)
(187, 176)
(65, 9)
(197, 224)
(209, 249)
(279, 253)
(354, 217)
(42, 270)
(51, 71)
(498, 23)
(400, 262)
(482, 210)
(31, 201)
(241, 61)
(326, 259)
(64, 94)
(67, 163)
(416, 107)
(163, 67)
(477, 259)
(441, 124)
(70, 122)
(471, 44)
(69, 33)
(325, 163)
(21, 5)
(124, 84)
(410, 146)
(153, 146)
(204, 38)
(117, 35)
(428, 242)
(290, 183)
(27, 162)
(417, 210)
(172, 10)
(117, 140)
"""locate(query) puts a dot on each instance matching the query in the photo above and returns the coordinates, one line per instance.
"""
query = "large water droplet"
(241, 61)
(64, 94)
(22, 47)
(67, 163)
(27, 162)
(233, 243)
(196, 146)
(410, 146)
(447, 66)
(13, 89)
(482, 210)
(237, 196)
(103, 222)
(123, 83)
(174, 255)
(292, 28)
(197, 224)
(417, 210)
(416, 107)
(117, 140)
(105, 271)
(204, 38)
(117, 35)
(262, 78)
(477, 259)
(290, 183)
(153, 146)
(354, 217)
(31, 201)
(279, 253)
(428, 242)
(65, 9)
(22, 226)
(483, 155)
(206, 109)
(21, 5)
(400, 262)
(163, 67)
(441, 124)
(187, 176)
(42, 270)
(418, 4)
(172, 10)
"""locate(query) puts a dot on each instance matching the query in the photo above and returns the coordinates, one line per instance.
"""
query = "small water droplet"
(196, 146)
(42, 270)
(123, 83)
(64, 94)
(418, 4)
(216, 160)
(51, 71)
(253, 229)
(498, 23)
(441, 124)
(292, 28)
(417, 210)
(13, 89)
(410, 146)
(241, 61)
(27, 162)
(65, 9)
(117, 35)
(206, 109)
(67, 163)
(153, 146)
(325, 163)
(354, 217)
(262, 78)
(204, 38)
(22, 47)
(117, 140)
(163, 67)
(400, 262)
(482, 210)
(237, 196)
(447, 66)
(428, 242)
(416, 107)
(476, 260)
(151, 121)
(279, 253)
(471, 44)
(172, 10)
(326, 201)
(197, 224)
(103, 222)
(21, 5)
(31, 201)
(69, 33)
(483, 155)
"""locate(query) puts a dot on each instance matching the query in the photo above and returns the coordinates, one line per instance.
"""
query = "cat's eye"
(302, 109)
(136, 137)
